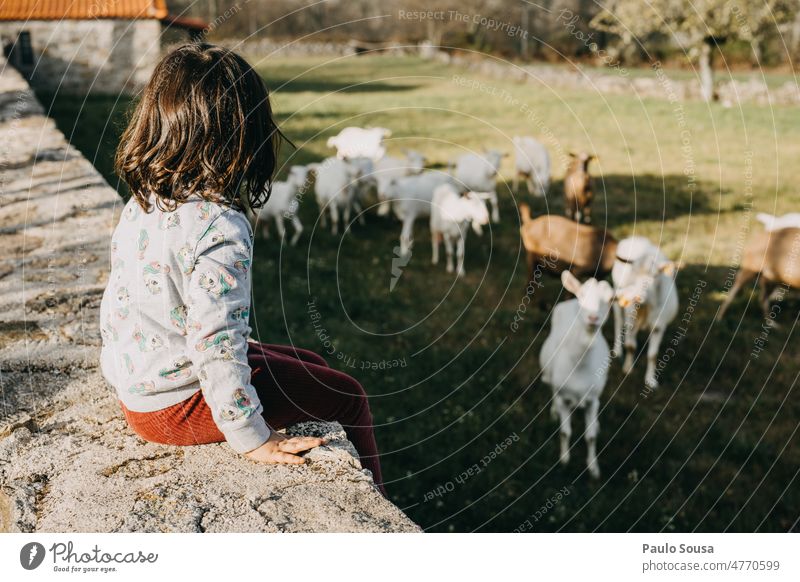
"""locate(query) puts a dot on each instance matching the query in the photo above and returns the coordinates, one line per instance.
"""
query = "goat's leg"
(298, 229)
(619, 334)
(742, 277)
(592, 429)
(334, 217)
(531, 260)
(460, 256)
(265, 228)
(495, 206)
(653, 346)
(631, 329)
(323, 218)
(515, 185)
(346, 213)
(359, 211)
(565, 427)
(435, 240)
(448, 247)
(534, 189)
(765, 296)
(406, 234)
(279, 227)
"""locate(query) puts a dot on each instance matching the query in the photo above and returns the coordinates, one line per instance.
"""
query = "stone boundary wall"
(730, 92)
(68, 462)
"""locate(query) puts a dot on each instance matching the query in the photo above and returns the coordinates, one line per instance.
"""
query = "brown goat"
(578, 193)
(555, 244)
(774, 257)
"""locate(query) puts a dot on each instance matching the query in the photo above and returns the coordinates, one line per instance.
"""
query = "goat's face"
(415, 160)
(581, 160)
(476, 211)
(594, 300)
(645, 281)
(494, 157)
(298, 175)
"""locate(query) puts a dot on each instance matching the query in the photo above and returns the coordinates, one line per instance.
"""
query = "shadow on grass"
(625, 198)
(299, 85)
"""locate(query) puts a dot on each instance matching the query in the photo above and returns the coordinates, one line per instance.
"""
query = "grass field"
(463, 422)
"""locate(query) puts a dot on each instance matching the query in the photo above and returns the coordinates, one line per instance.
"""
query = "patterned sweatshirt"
(174, 316)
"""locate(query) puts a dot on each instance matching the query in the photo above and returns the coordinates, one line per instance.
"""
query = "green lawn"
(714, 449)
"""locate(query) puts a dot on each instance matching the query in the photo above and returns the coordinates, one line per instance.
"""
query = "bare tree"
(698, 26)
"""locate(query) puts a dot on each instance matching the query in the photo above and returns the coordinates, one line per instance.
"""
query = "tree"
(698, 26)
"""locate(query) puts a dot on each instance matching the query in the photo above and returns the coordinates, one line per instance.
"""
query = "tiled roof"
(81, 9)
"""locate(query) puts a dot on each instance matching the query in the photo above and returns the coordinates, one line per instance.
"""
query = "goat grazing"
(411, 198)
(578, 193)
(773, 256)
(451, 216)
(574, 361)
(357, 142)
(554, 244)
(647, 300)
(770, 222)
(335, 189)
(283, 204)
(478, 173)
(390, 168)
(532, 162)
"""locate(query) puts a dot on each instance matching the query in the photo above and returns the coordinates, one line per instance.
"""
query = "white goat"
(532, 162)
(479, 173)
(283, 203)
(574, 361)
(411, 198)
(335, 190)
(647, 299)
(365, 182)
(357, 142)
(390, 168)
(791, 220)
(451, 216)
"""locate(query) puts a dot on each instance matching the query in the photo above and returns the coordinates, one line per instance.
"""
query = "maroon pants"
(294, 385)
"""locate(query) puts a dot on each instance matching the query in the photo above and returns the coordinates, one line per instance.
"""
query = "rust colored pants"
(294, 385)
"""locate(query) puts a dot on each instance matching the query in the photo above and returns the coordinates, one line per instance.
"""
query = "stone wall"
(68, 461)
(730, 92)
(97, 56)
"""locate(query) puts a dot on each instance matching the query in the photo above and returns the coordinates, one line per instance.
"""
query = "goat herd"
(575, 356)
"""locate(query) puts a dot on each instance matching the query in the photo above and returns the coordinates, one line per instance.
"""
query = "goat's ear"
(570, 282)
(668, 268)
(331, 141)
(570, 154)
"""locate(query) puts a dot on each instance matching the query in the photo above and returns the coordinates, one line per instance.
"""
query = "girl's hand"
(280, 449)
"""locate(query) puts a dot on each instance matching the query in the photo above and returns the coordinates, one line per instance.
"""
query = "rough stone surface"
(89, 56)
(730, 93)
(68, 461)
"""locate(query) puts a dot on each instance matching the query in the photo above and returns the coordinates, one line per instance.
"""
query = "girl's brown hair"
(203, 127)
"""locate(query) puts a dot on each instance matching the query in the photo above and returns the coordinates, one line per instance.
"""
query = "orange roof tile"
(81, 9)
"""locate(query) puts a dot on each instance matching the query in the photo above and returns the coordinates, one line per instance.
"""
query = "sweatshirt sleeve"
(218, 328)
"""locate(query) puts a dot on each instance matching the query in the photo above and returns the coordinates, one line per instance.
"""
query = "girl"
(198, 155)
